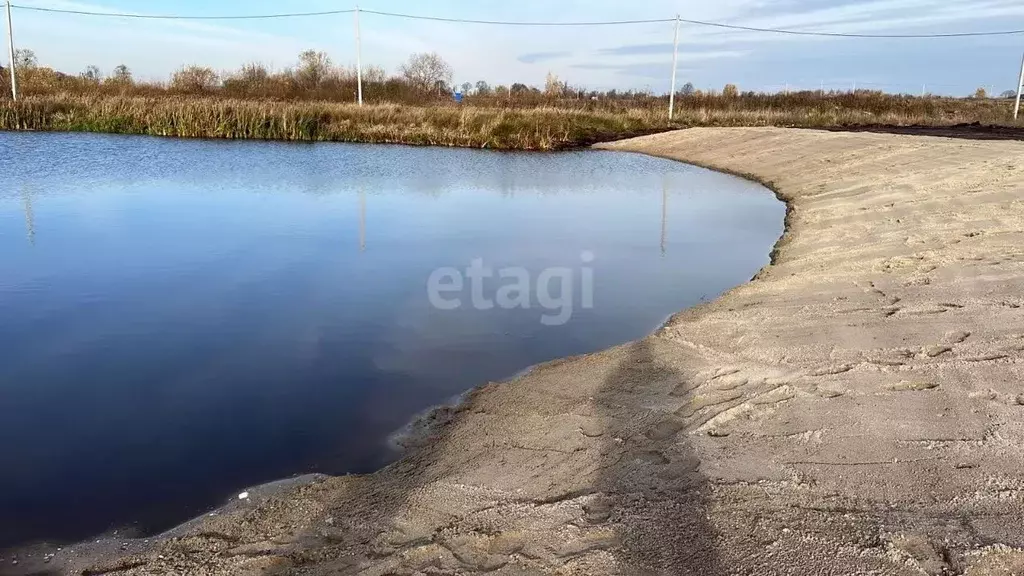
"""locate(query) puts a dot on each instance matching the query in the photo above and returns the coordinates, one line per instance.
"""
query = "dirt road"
(857, 408)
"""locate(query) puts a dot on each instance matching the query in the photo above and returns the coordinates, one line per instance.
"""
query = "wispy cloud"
(666, 48)
(654, 70)
(537, 57)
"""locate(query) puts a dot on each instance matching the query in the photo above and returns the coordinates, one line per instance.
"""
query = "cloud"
(659, 70)
(537, 57)
(638, 49)
(666, 49)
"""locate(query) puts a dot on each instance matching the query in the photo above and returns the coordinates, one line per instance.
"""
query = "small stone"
(933, 351)
(243, 496)
(1020, 399)
(330, 521)
(591, 429)
(913, 386)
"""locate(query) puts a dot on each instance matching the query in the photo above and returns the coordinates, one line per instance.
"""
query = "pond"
(182, 319)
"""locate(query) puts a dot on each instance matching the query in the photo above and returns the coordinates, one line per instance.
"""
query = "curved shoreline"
(852, 409)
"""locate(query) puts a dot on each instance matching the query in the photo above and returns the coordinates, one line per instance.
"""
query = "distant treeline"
(426, 79)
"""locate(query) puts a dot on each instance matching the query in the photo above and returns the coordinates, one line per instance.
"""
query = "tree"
(467, 87)
(1009, 94)
(730, 91)
(426, 71)
(552, 85)
(314, 68)
(374, 74)
(519, 88)
(482, 88)
(92, 73)
(194, 79)
(688, 89)
(25, 59)
(253, 75)
(981, 93)
(122, 74)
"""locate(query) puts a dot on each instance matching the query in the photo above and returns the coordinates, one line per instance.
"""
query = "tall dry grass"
(196, 117)
(540, 125)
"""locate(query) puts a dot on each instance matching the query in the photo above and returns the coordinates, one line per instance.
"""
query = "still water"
(182, 319)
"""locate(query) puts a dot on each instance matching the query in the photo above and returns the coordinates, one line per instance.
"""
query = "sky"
(624, 57)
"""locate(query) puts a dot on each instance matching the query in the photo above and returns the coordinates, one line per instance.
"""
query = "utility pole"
(675, 60)
(10, 52)
(359, 59)
(1020, 87)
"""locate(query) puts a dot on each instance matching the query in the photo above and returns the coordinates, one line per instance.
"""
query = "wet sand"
(856, 408)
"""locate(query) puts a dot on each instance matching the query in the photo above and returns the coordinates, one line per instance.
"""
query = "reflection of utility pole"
(664, 213)
(30, 218)
(362, 220)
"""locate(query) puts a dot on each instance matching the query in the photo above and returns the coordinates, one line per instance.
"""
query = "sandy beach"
(856, 408)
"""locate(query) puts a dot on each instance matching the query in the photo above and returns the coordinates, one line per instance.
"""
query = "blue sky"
(637, 56)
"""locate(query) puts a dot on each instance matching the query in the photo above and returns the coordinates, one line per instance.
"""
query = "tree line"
(423, 78)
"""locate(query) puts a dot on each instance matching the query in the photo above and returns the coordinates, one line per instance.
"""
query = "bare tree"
(25, 59)
(730, 91)
(314, 68)
(374, 74)
(981, 93)
(552, 85)
(194, 79)
(122, 74)
(482, 88)
(467, 87)
(254, 73)
(426, 71)
(92, 73)
(688, 89)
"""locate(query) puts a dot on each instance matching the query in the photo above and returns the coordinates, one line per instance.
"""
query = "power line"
(697, 23)
(525, 23)
(849, 34)
(181, 17)
(516, 23)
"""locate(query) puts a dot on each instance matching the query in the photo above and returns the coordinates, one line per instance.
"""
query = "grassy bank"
(541, 127)
(194, 117)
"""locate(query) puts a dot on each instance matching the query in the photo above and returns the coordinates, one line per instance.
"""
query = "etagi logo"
(552, 290)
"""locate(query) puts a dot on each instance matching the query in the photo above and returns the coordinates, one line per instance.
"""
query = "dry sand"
(856, 408)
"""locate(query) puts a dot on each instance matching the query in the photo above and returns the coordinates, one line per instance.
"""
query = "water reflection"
(362, 220)
(664, 216)
(30, 217)
(185, 324)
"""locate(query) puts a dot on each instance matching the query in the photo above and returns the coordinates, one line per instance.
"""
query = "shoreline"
(832, 413)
